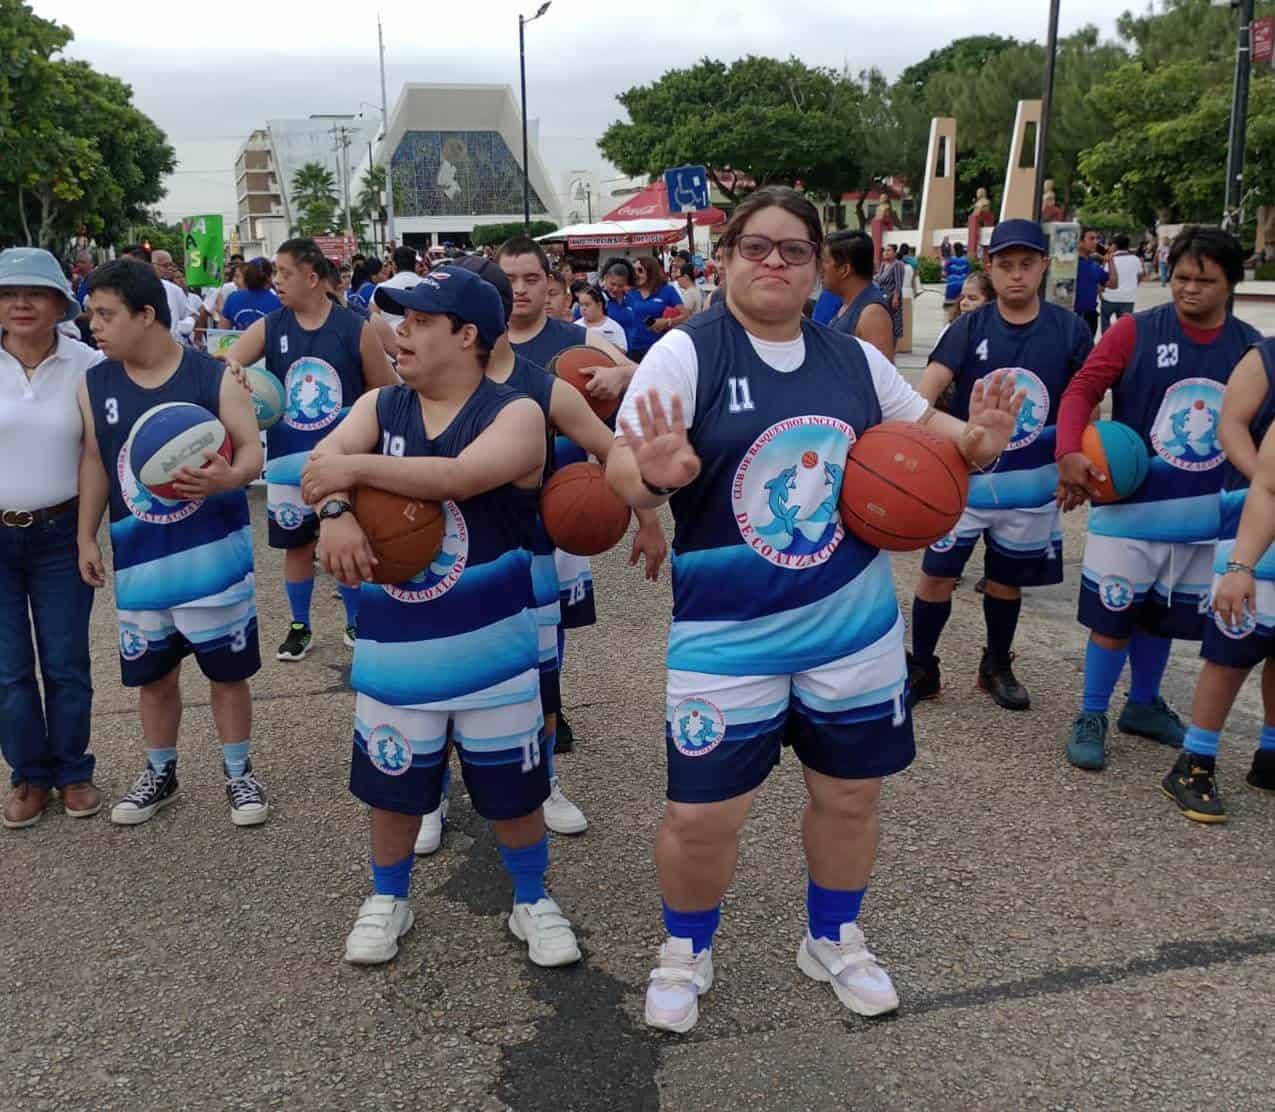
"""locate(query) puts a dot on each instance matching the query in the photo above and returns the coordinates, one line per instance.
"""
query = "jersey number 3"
(741, 398)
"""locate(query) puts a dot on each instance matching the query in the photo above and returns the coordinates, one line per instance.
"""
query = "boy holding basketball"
(449, 657)
(1149, 558)
(1011, 507)
(183, 569)
(326, 357)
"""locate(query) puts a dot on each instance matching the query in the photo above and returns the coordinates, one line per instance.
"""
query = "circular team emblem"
(388, 751)
(785, 491)
(313, 390)
(288, 515)
(1115, 592)
(1236, 632)
(133, 643)
(442, 575)
(944, 544)
(1035, 410)
(144, 505)
(697, 726)
(1185, 430)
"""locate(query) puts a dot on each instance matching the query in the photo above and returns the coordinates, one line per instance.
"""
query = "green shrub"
(1265, 272)
(930, 270)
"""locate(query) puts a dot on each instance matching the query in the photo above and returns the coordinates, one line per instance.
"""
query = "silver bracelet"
(1235, 565)
(991, 466)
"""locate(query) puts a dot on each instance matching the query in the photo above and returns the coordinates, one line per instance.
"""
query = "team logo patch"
(288, 515)
(133, 643)
(389, 751)
(1185, 430)
(1035, 410)
(785, 491)
(1236, 632)
(442, 575)
(313, 390)
(697, 726)
(1115, 592)
(945, 544)
(144, 505)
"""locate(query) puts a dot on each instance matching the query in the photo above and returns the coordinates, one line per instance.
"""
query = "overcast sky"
(209, 76)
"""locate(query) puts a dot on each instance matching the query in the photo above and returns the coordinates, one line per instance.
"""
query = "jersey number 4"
(741, 398)
(981, 351)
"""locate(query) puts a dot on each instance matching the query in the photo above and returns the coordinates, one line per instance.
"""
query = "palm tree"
(313, 186)
(368, 200)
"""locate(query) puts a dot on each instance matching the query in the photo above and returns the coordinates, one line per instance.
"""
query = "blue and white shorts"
(400, 754)
(223, 638)
(292, 524)
(1250, 643)
(1157, 587)
(550, 679)
(575, 590)
(847, 719)
(1023, 547)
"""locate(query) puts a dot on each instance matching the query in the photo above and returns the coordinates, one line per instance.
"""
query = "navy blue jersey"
(555, 336)
(463, 632)
(1235, 485)
(168, 554)
(322, 375)
(848, 322)
(1171, 393)
(1042, 356)
(765, 579)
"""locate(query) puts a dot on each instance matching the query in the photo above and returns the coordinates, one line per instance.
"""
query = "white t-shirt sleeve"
(899, 400)
(671, 367)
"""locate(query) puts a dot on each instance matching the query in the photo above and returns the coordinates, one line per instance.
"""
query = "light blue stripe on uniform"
(836, 706)
(221, 569)
(1265, 566)
(286, 470)
(1014, 490)
(1024, 549)
(422, 747)
(1180, 521)
(498, 744)
(740, 716)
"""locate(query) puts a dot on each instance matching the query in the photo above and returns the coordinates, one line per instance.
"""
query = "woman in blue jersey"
(785, 627)
(847, 273)
(251, 302)
(657, 308)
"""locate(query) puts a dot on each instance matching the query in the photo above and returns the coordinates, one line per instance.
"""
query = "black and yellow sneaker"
(1192, 786)
(297, 644)
(1262, 774)
(924, 680)
(997, 678)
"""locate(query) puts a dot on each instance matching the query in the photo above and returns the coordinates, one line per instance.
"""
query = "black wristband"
(660, 492)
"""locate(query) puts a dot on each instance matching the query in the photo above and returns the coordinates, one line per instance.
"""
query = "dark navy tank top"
(1235, 485)
(848, 322)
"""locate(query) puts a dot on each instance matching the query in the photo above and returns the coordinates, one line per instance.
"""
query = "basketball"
(809, 460)
(406, 534)
(582, 515)
(170, 437)
(268, 399)
(570, 365)
(1119, 453)
(904, 487)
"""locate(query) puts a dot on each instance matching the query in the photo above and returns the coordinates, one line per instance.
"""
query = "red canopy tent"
(652, 204)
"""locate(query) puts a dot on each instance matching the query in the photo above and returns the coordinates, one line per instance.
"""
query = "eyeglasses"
(757, 248)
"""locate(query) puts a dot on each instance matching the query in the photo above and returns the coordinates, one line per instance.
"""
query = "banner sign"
(633, 239)
(205, 248)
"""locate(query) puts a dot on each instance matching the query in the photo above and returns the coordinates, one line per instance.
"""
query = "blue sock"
(1001, 618)
(350, 596)
(828, 908)
(562, 646)
(698, 926)
(928, 620)
(546, 748)
(1203, 743)
(299, 595)
(1266, 740)
(1148, 658)
(158, 758)
(527, 866)
(393, 880)
(1102, 670)
(236, 757)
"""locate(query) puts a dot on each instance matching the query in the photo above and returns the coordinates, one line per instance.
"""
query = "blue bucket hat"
(31, 266)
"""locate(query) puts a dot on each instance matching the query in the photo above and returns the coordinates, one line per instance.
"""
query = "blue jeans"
(45, 743)
(1116, 309)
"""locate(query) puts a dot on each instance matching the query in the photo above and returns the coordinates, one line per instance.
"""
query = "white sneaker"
(546, 931)
(431, 835)
(677, 983)
(561, 815)
(381, 922)
(855, 975)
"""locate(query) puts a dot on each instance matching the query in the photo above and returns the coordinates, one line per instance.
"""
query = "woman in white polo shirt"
(44, 741)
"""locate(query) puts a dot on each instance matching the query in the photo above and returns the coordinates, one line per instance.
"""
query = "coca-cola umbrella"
(652, 204)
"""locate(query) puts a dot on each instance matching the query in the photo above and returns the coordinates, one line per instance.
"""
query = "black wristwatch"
(334, 507)
(660, 492)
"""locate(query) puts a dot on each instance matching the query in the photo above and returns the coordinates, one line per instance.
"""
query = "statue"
(882, 222)
(980, 217)
(1050, 210)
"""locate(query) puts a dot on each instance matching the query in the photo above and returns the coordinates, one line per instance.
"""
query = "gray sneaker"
(1157, 721)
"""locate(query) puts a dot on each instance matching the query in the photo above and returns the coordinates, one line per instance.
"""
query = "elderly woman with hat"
(45, 742)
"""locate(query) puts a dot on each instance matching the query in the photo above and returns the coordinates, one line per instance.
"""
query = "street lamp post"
(522, 77)
(1231, 216)
(385, 138)
(1046, 107)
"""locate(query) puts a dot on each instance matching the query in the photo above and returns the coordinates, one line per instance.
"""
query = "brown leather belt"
(24, 519)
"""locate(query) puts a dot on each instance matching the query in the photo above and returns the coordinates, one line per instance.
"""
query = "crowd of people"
(737, 412)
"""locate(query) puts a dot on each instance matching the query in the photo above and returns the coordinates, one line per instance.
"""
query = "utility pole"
(1046, 105)
(342, 137)
(385, 139)
(588, 199)
(1232, 214)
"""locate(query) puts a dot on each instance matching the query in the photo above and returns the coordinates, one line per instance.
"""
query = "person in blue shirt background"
(363, 280)
(617, 281)
(254, 301)
(956, 268)
(655, 296)
(1091, 277)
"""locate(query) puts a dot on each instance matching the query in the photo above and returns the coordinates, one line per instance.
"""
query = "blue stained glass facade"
(462, 173)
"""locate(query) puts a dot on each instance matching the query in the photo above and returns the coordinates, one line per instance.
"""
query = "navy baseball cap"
(450, 289)
(1018, 233)
(489, 271)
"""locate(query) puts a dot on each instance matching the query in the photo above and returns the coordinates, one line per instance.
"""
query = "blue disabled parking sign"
(687, 188)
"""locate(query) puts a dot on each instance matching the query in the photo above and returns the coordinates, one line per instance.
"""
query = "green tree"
(314, 200)
(368, 199)
(497, 233)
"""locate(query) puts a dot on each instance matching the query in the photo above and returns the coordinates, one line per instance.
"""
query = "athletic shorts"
(1022, 548)
(575, 590)
(1248, 644)
(550, 684)
(1157, 587)
(223, 638)
(292, 524)
(847, 719)
(400, 756)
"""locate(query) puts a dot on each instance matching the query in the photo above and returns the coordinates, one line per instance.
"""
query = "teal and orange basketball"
(1119, 453)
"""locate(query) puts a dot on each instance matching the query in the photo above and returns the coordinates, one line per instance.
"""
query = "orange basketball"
(405, 533)
(904, 487)
(582, 515)
(570, 365)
